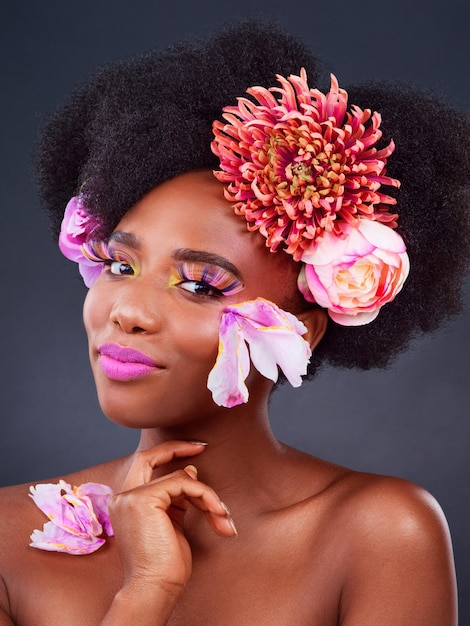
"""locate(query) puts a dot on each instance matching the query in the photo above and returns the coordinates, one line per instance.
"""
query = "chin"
(127, 406)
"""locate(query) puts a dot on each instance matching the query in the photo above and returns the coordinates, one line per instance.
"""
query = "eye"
(116, 262)
(199, 288)
(205, 280)
(120, 268)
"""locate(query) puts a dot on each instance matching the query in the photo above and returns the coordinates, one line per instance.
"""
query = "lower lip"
(119, 370)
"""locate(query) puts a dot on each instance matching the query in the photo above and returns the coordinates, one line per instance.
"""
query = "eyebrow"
(200, 256)
(127, 239)
(181, 254)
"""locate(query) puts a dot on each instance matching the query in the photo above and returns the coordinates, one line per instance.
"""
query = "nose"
(136, 309)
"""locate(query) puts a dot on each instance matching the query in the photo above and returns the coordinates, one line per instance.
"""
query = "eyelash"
(99, 252)
(209, 276)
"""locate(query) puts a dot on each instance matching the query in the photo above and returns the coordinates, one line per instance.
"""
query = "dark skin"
(317, 543)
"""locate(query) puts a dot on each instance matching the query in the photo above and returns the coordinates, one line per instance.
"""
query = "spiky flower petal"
(297, 164)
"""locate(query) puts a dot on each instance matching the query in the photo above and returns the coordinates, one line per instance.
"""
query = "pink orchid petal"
(55, 539)
(275, 347)
(77, 517)
(99, 496)
(227, 378)
(78, 228)
(89, 270)
(82, 518)
(275, 340)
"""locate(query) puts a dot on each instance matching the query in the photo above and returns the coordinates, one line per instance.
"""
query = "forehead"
(190, 211)
(188, 208)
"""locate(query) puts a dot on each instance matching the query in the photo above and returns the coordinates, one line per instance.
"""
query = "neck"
(240, 446)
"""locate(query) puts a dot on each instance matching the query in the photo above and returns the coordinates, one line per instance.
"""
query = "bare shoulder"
(383, 544)
(20, 516)
(391, 507)
(373, 507)
(397, 554)
(17, 516)
(17, 510)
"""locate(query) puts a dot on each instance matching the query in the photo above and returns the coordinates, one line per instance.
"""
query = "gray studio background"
(411, 421)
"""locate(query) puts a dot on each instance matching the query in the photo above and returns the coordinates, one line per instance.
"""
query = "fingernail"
(232, 524)
(191, 469)
(229, 518)
(225, 508)
(199, 443)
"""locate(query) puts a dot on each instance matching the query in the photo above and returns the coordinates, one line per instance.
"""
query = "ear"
(316, 321)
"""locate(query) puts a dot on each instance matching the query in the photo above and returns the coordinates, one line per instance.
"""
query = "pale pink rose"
(274, 338)
(78, 517)
(78, 228)
(353, 277)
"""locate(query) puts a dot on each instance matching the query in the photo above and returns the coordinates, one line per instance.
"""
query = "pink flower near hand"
(354, 276)
(78, 517)
(274, 338)
(77, 229)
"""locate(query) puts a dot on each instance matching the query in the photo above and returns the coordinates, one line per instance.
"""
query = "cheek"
(94, 314)
(196, 339)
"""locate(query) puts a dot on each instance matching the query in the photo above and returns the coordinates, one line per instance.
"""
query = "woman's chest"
(219, 596)
(276, 573)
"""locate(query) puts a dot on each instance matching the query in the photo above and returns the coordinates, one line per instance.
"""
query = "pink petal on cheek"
(262, 350)
(275, 339)
(226, 379)
(275, 347)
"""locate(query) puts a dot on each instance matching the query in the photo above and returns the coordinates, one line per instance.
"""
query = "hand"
(147, 518)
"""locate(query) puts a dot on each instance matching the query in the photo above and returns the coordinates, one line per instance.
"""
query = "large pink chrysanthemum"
(297, 164)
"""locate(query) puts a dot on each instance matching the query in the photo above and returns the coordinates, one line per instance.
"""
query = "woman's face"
(182, 257)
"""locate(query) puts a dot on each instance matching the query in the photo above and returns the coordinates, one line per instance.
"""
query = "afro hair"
(143, 121)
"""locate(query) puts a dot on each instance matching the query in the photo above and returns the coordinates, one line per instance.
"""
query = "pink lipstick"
(121, 363)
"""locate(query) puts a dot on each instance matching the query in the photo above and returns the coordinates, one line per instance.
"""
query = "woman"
(179, 285)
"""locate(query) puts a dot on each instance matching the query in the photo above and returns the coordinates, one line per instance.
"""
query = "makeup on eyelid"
(211, 275)
(103, 252)
(197, 271)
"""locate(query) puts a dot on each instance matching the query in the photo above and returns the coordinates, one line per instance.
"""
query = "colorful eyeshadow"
(211, 275)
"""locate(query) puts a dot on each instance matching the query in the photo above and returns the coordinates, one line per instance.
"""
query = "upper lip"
(125, 355)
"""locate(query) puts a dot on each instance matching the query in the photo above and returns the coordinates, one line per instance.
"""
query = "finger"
(165, 491)
(220, 520)
(145, 462)
(216, 523)
(191, 471)
(217, 520)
